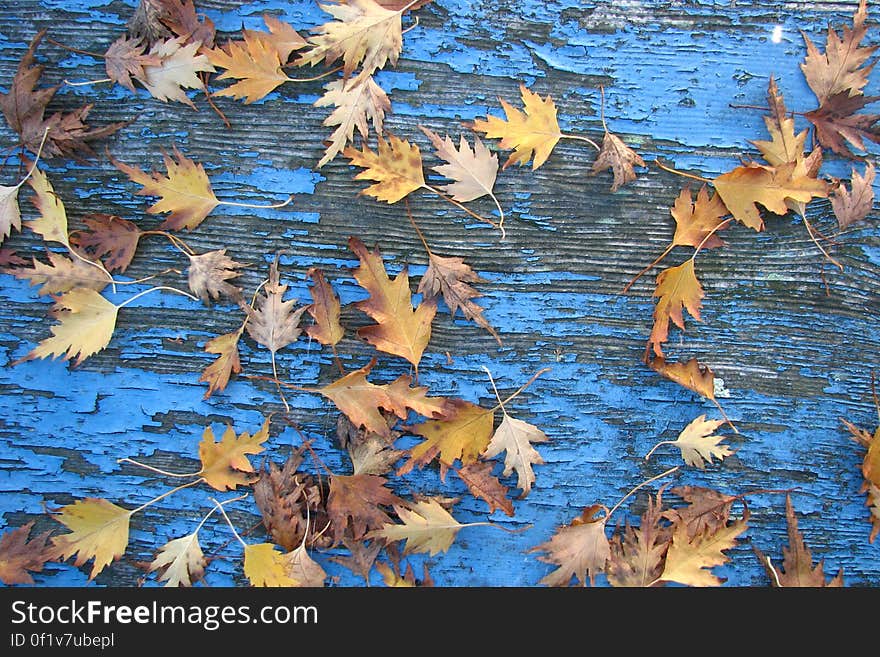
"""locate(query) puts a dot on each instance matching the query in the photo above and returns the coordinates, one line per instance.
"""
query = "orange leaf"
(690, 561)
(401, 329)
(185, 191)
(693, 375)
(785, 146)
(531, 134)
(255, 63)
(482, 484)
(853, 205)
(18, 555)
(746, 186)
(217, 374)
(695, 220)
(225, 464)
(361, 400)
(678, 288)
(397, 168)
(325, 309)
(110, 236)
(355, 501)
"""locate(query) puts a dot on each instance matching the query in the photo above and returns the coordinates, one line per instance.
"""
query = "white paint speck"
(776, 37)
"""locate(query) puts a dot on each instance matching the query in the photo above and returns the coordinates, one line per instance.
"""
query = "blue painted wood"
(793, 359)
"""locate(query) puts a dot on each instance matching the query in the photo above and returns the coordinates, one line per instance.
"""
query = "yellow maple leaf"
(217, 374)
(678, 288)
(225, 464)
(184, 191)
(86, 324)
(266, 566)
(531, 134)
(690, 562)
(400, 329)
(464, 434)
(363, 33)
(396, 166)
(99, 531)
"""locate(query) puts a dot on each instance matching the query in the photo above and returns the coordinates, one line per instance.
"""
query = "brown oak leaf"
(355, 502)
(19, 554)
(62, 274)
(227, 363)
(484, 485)
(324, 309)
(838, 123)
(618, 157)
(637, 553)
(853, 205)
(126, 58)
(109, 237)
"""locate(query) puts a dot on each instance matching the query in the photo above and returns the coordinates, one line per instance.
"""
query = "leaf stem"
(178, 243)
(724, 224)
(644, 483)
(87, 83)
(581, 138)
(76, 50)
(154, 289)
(257, 207)
(518, 390)
(416, 226)
(449, 199)
(36, 159)
(662, 442)
(724, 415)
(681, 173)
(819, 246)
(165, 494)
(317, 77)
(229, 522)
(275, 374)
(213, 509)
(649, 267)
(97, 265)
(157, 470)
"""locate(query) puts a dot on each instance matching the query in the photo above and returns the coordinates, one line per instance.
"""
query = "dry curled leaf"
(274, 323)
(324, 309)
(227, 363)
(784, 146)
(677, 289)
(62, 274)
(693, 375)
(618, 157)
(109, 237)
(690, 559)
(697, 220)
(427, 527)
(126, 58)
(356, 502)
(484, 485)
(51, 225)
(637, 553)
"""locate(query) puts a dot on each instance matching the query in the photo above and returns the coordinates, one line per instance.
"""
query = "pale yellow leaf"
(52, 222)
(182, 561)
(10, 215)
(98, 530)
(691, 562)
(178, 70)
(427, 527)
(358, 102)
(473, 170)
(514, 438)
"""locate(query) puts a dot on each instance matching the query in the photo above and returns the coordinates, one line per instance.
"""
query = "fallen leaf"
(369, 452)
(396, 167)
(324, 309)
(693, 375)
(531, 134)
(707, 510)
(636, 558)
(86, 323)
(181, 18)
(303, 569)
(677, 289)
(396, 5)
(400, 329)
(10, 213)
(225, 464)
(473, 170)
(358, 102)
(274, 323)
(360, 557)
(24, 106)
(618, 157)
(749, 185)
(697, 444)
(356, 502)
(361, 400)
(180, 561)
(427, 527)
(784, 146)
(185, 191)
(797, 561)
(177, 70)
(281, 36)
(217, 374)
(208, 273)
(451, 277)
(51, 225)
(697, 220)
(364, 33)
(98, 530)
(580, 550)
(840, 68)
(464, 434)
(266, 566)
(254, 62)
(62, 274)
(20, 556)
(853, 205)
(145, 22)
(109, 237)
(483, 485)
(515, 437)
(838, 123)
(689, 561)
(126, 58)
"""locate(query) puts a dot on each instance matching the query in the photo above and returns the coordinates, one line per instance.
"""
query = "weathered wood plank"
(793, 357)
